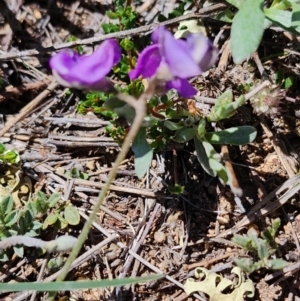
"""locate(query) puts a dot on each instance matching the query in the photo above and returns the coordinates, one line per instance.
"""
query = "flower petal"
(63, 61)
(86, 71)
(202, 51)
(92, 68)
(176, 54)
(147, 63)
(183, 86)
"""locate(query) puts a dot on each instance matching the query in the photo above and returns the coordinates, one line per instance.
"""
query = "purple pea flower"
(174, 61)
(88, 71)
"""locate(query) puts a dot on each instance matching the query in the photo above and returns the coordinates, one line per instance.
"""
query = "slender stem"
(140, 109)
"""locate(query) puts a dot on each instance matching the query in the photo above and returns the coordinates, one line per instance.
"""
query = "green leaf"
(219, 168)
(173, 126)
(247, 30)
(177, 189)
(72, 285)
(62, 223)
(279, 17)
(201, 128)
(54, 198)
(236, 136)
(202, 158)
(243, 241)
(246, 264)
(127, 44)
(184, 135)
(12, 217)
(6, 205)
(31, 208)
(2, 148)
(281, 4)
(289, 81)
(143, 153)
(36, 225)
(55, 263)
(23, 224)
(262, 249)
(11, 157)
(50, 220)
(210, 151)
(72, 215)
(41, 206)
(225, 107)
(296, 17)
(41, 196)
(19, 251)
(225, 16)
(275, 226)
(28, 217)
(278, 264)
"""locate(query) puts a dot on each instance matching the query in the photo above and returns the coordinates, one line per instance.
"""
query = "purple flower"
(174, 61)
(86, 72)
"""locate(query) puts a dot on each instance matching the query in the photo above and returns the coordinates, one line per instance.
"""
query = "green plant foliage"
(225, 107)
(55, 263)
(143, 153)
(184, 135)
(75, 173)
(94, 102)
(263, 247)
(279, 17)
(19, 221)
(173, 126)
(8, 156)
(177, 189)
(235, 136)
(72, 215)
(72, 285)
(247, 30)
(203, 158)
(26, 221)
(72, 38)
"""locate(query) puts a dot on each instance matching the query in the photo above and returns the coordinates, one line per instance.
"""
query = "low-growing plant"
(28, 220)
(264, 248)
(8, 156)
(75, 173)
(251, 20)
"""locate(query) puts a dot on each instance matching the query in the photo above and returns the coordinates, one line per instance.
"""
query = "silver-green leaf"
(247, 30)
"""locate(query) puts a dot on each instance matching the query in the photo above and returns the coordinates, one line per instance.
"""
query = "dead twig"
(203, 13)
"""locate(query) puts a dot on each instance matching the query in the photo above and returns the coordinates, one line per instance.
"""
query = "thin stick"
(204, 12)
(140, 109)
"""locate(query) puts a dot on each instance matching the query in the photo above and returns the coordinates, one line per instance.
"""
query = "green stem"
(140, 109)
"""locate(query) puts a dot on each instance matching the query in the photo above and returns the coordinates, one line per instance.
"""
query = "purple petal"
(147, 63)
(202, 50)
(183, 86)
(176, 54)
(63, 61)
(86, 71)
(157, 33)
(92, 68)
